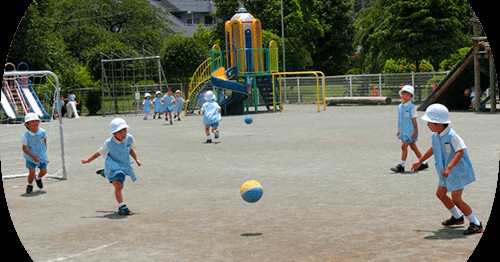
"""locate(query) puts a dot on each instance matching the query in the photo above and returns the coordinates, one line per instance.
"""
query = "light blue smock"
(211, 113)
(463, 173)
(158, 107)
(405, 123)
(118, 158)
(146, 106)
(168, 101)
(179, 104)
(36, 145)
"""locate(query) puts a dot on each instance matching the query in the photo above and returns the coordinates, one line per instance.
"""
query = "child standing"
(34, 146)
(179, 104)
(158, 108)
(211, 115)
(118, 149)
(453, 166)
(146, 105)
(168, 105)
(407, 128)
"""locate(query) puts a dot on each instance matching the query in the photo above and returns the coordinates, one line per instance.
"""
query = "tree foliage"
(411, 29)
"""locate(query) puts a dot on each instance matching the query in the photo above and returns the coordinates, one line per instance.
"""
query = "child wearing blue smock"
(158, 107)
(211, 116)
(453, 166)
(146, 105)
(407, 128)
(118, 149)
(34, 146)
(168, 105)
(179, 104)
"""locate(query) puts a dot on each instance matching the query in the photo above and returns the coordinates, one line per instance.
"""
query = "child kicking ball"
(453, 166)
(118, 149)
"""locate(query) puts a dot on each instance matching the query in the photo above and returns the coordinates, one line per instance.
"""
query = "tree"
(412, 29)
(181, 55)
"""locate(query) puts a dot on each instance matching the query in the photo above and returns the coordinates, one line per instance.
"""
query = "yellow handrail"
(200, 76)
(318, 90)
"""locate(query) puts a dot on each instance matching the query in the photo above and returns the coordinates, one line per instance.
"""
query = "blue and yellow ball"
(251, 191)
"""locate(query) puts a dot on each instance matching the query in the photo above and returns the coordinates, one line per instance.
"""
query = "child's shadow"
(455, 232)
(109, 215)
(34, 193)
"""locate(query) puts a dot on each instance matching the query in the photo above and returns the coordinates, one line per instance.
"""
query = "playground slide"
(233, 105)
(7, 108)
(32, 99)
(219, 79)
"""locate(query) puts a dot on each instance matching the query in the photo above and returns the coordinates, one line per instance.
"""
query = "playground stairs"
(265, 85)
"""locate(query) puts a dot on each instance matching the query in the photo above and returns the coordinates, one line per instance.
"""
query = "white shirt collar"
(445, 131)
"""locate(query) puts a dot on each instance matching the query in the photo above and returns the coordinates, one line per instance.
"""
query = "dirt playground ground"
(328, 192)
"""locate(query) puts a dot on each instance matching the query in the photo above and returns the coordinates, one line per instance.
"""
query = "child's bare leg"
(414, 147)
(207, 130)
(118, 190)
(31, 175)
(404, 151)
(456, 196)
(42, 173)
(441, 194)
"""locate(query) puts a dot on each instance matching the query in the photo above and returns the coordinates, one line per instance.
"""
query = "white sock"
(37, 178)
(472, 218)
(209, 137)
(455, 212)
(402, 163)
(121, 204)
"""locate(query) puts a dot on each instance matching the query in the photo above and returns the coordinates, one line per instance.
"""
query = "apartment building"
(185, 15)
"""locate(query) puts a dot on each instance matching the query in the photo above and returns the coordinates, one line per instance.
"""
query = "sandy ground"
(328, 192)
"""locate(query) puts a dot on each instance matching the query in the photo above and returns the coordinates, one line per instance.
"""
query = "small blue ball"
(248, 120)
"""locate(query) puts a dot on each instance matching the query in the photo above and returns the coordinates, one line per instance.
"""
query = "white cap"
(178, 91)
(437, 113)
(31, 117)
(209, 95)
(117, 124)
(407, 88)
(147, 94)
(158, 92)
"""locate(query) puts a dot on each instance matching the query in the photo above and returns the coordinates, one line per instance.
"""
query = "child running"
(168, 105)
(453, 166)
(211, 115)
(407, 128)
(118, 149)
(179, 104)
(34, 146)
(146, 105)
(158, 108)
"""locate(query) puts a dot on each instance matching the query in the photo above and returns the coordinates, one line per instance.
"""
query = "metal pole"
(283, 40)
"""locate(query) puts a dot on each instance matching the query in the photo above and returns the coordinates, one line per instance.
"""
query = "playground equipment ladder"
(16, 96)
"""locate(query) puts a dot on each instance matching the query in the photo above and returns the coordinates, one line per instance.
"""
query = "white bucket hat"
(437, 113)
(158, 92)
(117, 124)
(408, 89)
(147, 94)
(209, 95)
(31, 117)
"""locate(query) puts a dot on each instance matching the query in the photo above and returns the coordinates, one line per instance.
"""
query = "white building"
(185, 15)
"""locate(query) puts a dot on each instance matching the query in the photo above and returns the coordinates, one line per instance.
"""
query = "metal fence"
(303, 89)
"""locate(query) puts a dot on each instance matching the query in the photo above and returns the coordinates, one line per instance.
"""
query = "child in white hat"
(453, 166)
(117, 164)
(211, 115)
(158, 107)
(407, 128)
(34, 145)
(146, 105)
